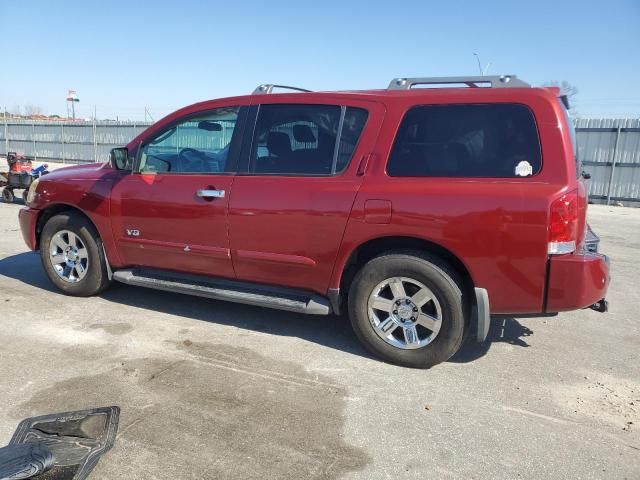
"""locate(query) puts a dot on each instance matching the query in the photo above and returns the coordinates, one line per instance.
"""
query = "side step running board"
(250, 294)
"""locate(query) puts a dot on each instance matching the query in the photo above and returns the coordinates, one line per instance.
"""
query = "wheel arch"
(371, 248)
(55, 209)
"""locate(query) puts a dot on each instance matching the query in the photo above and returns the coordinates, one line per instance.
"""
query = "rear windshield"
(497, 140)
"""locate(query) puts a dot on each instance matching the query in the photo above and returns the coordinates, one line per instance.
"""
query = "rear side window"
(298, 139)
(354, 122)
(497, 140)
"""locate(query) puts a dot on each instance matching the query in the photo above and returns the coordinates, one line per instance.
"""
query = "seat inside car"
(283, 157)
(279, 149)
(311, 159)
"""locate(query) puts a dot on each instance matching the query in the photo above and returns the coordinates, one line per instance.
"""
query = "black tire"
(7, 195)
(25, 194)
(96, 278)
(433, 273)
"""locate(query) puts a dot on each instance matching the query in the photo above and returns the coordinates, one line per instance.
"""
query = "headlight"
(31, 194)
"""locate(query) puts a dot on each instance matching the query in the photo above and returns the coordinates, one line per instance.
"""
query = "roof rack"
(268, 88)
(502, 81)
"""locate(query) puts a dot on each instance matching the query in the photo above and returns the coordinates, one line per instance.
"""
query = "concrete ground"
(216, 390)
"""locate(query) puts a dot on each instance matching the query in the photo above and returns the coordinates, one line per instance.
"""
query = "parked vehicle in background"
(417, 211)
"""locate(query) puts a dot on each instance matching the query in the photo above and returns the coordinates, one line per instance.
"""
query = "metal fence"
(610, 152)
(66, 142)
(609, 149)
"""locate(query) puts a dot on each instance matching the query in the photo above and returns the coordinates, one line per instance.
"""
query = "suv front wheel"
(407, 307)
(72, 255)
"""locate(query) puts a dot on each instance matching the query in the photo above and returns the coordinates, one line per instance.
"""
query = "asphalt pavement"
(217, 390)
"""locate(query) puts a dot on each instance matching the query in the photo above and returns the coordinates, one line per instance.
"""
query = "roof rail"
(502, 81)
(268, 88)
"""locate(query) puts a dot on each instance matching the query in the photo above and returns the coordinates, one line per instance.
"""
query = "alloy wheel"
(69, 256)
(404, 313)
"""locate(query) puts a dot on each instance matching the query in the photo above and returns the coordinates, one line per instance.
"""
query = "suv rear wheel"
(407, 307)
(72, 255)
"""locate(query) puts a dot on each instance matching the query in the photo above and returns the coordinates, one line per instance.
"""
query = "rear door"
(291, 203)
(469, 177)
(171, 212)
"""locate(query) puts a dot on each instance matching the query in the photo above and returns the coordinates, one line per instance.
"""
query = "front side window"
(497, 140)
(296, 139)
(200, 144)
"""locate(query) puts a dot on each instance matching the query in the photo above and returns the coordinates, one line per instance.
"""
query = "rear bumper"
(28, 218)
(577, 281)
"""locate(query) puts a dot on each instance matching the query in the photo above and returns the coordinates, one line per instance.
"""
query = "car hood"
(80, 172)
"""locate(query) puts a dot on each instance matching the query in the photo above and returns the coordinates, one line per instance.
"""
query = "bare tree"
(15, 109)
(30, 109)
(568, 89)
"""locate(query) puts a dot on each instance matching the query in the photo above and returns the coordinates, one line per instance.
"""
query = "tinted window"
(198, 145)
(498, 140)
(302, 139)
(354, 121)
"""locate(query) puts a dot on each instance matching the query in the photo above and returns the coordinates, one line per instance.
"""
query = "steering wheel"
(194, 165)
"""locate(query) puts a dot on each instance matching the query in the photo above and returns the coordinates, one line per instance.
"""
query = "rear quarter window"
(474, 140)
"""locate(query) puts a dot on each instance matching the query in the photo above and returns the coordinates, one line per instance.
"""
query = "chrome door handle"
(210, 193)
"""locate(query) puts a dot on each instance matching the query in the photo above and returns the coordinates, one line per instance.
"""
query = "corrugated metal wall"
(67, 142)
(610, 151)
(608, 148)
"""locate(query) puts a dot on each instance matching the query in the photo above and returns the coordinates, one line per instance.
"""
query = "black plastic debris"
(24, 460)
(62, 446)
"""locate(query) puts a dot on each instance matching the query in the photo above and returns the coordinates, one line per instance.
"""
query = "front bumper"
(28, 218)
(577, 281)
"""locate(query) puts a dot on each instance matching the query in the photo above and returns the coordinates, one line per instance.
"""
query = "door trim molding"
(275, 258)
(173, 247)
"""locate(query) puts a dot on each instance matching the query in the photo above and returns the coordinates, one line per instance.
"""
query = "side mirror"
(119, 158)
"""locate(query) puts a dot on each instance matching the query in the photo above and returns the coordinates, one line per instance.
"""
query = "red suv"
(419, 211)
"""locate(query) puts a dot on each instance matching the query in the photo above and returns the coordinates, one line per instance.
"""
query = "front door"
(171, 212)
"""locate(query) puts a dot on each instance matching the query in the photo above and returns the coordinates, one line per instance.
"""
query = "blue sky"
(122, 56)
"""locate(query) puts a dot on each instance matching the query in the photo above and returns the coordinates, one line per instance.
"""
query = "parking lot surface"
(218, 390)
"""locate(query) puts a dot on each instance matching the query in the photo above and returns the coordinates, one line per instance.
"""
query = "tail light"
(563, 224)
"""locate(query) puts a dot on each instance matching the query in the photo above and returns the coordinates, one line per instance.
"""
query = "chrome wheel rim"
(404, 313)
(69, 256)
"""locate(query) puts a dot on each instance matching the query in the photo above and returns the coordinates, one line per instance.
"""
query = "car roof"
(400, 90)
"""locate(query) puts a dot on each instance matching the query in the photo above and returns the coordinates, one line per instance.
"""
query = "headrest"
(279, 144)
(303, 134)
